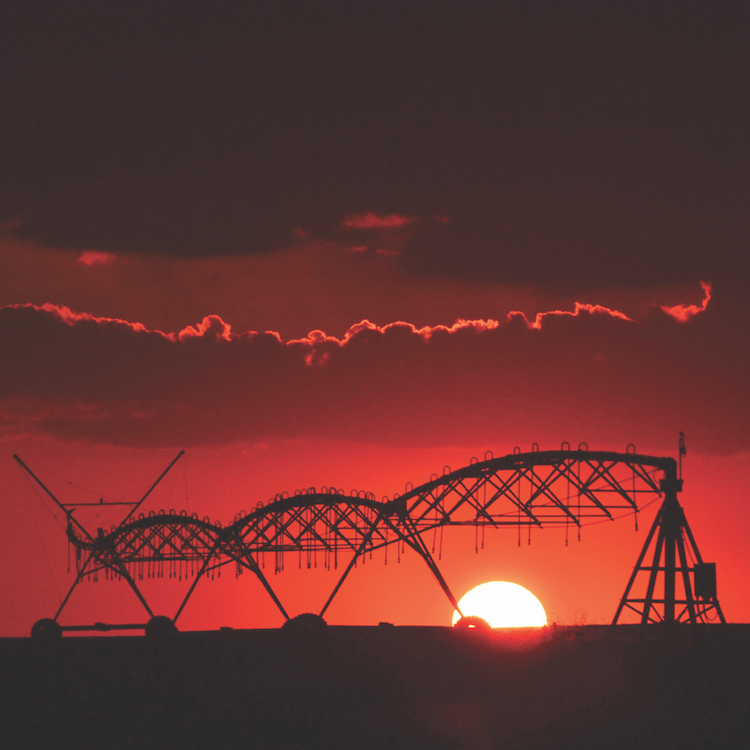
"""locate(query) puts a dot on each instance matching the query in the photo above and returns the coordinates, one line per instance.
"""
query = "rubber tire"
(160, 626)
(306, 622)
(46, 628)
(472, 622)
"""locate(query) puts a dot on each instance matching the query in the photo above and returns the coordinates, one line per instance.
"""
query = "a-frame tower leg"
(672, 540)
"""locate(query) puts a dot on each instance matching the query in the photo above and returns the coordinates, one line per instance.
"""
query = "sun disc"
(503, 605)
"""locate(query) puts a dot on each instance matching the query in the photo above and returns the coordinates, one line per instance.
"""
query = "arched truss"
(538, 489)
(523, 490)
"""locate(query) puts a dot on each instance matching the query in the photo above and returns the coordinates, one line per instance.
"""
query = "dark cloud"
(577, 242)
(583, 144)
(592, 374)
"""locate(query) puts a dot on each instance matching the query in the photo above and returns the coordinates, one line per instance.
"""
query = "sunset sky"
(352, 243)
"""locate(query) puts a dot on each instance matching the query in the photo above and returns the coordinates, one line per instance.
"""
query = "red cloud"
(71, 317)
(317, 338)
(212, 325)
(96, 258)
(580, 307)
(683, 313)
(590, 374)
(376, 221)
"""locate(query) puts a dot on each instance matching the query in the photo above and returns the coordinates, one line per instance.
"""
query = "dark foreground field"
(382, 687)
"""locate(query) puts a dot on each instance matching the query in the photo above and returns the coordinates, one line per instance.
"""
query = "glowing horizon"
(502, 604)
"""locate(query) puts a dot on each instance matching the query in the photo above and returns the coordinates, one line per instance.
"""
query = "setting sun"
(502, 605)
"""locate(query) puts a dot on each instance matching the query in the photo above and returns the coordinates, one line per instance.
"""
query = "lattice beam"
(536, 489)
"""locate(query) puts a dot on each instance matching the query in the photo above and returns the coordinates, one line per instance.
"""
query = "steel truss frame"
(524, 490)
(673, 543)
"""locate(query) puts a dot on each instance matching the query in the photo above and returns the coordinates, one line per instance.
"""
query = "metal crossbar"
(536, 489)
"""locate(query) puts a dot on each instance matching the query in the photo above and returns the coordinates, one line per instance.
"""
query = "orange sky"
(352, 248)
(106, 403)
(581, 582)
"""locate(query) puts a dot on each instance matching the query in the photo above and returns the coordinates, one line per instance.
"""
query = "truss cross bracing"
(331, 528)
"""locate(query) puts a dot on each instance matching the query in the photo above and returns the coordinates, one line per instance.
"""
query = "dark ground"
(382, 687)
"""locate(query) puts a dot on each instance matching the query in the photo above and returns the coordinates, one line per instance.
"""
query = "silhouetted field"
(383, 687)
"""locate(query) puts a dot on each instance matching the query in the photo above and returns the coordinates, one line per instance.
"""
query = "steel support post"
(79, 577)
(419, 546)
(670, 559)
(670, 528)
(638, 568)
(197, 578)
(360, 550)
(252, 565)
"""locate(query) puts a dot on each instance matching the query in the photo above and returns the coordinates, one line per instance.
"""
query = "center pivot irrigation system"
(523, 490)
